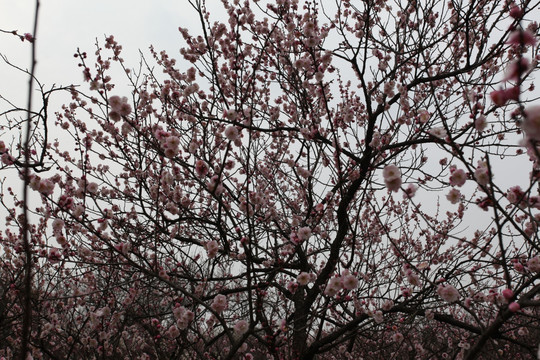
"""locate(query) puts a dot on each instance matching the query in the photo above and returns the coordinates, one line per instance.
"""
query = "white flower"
(438, 132)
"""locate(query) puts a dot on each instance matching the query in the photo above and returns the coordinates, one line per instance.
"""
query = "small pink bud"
(514, 307)
(508, 294)
(498, 97)
(515, 11)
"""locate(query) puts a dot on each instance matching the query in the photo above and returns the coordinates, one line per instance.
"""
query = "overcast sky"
(65, 25)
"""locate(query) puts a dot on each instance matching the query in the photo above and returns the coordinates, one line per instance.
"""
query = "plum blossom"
(423, 116)
(410, 191)
(349, 282)
(531, 123)
(454, 195)
(170, 146)
(522, 37)
(387, 305)
(480, 123)
(438, 132)
(220, 303)
(458, 177)
(515, 194)
(398, 337)
(378, 316)
(212, 248)
(303, 278)
(481, 174)
(231, 133)
(92, 187)
(304, 233)
(54, 255)
(119, 107)
(57, 225)
(241, 327)
(333, 286)
(292, 286)
(448, 293)
(173, 332)
(392, 177)
(507, 294)
(516, 13)
(514, 307)
(201, 168)
(534, 264)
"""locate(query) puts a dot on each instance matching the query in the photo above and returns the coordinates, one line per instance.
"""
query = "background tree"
(310, 185)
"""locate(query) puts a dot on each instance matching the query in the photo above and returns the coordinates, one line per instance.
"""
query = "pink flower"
(521, 37)
(515, 69)
(423, 116)
(125, 109)
(448, 293)
(303, 278)
(392, 177)
(241, 327)
(391, 172)
(515, 195)
(454, 195)
(124, 248)
(46, 187)
(212, 248)
(531, 123)
(480, 123)
(333, 286)
(498, 97)
(378, 316)
(231, 132)
(516, 13)
(397, 337)
(119, 107)
(304, 233)
(3, 148)
(413, 279)
(292, 286)
(201, 168)
(349, 282)
(387, 305)
(507, 294)
(92, 187)
(54, 255)
(57, 225)
(173, 331)
(458, 177)
(481, 174)
(534, 264)
(410, 191)
(220, 303)
(514, 307)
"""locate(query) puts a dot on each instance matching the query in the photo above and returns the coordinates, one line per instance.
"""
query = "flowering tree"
(304, 185)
